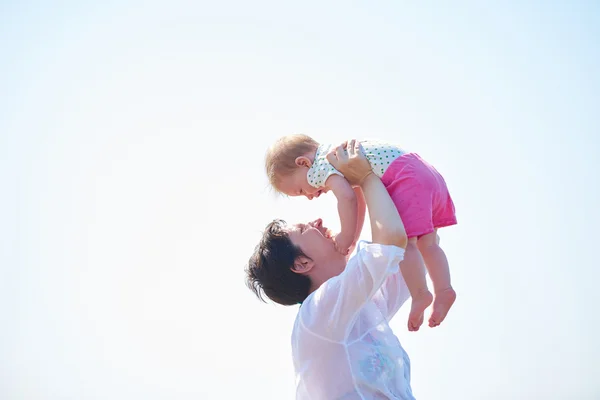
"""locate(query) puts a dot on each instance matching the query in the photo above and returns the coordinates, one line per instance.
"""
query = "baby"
(297, 166)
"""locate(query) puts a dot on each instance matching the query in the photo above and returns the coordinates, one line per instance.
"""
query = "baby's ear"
(303, 161)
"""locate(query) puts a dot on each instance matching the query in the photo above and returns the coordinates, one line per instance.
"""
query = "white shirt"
(379, 154)
(342, 345)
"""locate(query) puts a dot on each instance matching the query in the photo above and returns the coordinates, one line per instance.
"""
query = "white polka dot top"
(380, 155)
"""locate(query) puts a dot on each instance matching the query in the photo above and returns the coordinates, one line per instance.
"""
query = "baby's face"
(297, 184)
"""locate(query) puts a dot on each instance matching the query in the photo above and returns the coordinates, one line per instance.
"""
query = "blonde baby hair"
(280, 160)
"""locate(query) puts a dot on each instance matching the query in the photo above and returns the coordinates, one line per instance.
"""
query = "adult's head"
(291, 261)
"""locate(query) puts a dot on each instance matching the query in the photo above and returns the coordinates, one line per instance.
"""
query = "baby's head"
(287, 163)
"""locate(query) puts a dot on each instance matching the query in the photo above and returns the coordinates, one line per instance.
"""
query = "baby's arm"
(348, 211)
(360, 218)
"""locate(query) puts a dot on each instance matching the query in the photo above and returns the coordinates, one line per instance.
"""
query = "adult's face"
(315, 241)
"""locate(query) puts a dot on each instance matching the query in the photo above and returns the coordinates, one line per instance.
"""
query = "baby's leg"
(413, 272)
(439, 271)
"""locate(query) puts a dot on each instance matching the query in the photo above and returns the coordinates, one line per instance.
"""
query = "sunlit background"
(132, 137)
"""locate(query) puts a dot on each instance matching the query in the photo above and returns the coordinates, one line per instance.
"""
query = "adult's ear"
(302, 265)
(303, 161)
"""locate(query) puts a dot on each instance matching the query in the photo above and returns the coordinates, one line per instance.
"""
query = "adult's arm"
(345, 295)
(386, 226)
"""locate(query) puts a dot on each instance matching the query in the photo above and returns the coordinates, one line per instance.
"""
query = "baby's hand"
(342, 243)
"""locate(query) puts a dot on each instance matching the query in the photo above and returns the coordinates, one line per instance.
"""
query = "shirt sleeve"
(392, 296)
(320, 171)
(333, 307)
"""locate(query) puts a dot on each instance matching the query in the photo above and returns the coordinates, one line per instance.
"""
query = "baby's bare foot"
(443, 301)
(419, 303)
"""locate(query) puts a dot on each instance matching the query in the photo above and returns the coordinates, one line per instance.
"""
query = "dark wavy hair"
(269, 270)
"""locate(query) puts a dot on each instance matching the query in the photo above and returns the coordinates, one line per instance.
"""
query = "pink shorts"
(420, 194)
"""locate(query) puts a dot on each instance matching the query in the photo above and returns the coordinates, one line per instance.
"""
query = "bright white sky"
(132, 137)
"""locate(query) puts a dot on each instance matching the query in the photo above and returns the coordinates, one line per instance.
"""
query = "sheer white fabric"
(342, 345)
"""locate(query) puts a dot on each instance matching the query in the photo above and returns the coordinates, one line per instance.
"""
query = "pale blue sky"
(132, 137)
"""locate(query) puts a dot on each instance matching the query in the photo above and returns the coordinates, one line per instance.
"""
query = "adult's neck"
(325, 271)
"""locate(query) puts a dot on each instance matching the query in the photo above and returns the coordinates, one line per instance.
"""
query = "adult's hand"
(349, 159)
